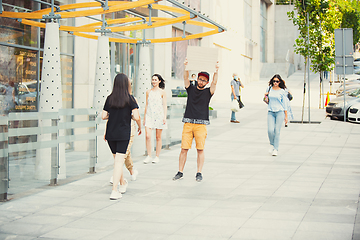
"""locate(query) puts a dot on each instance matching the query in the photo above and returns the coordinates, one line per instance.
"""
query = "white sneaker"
(115, 195)
(134, 175)
(156, 160)
(111, 180)
(271, 149)
(274, 153)
(147, 159)
(122, 188)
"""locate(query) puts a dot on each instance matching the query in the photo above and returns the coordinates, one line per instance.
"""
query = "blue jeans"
(233, 118)
(275, 121)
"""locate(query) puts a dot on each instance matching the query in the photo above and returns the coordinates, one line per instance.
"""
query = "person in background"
(155, 115)
(235, 94)
(118, 110)
(277, 111)
(193, 79)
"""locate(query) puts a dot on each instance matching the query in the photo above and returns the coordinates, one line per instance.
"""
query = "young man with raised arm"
(196, 118)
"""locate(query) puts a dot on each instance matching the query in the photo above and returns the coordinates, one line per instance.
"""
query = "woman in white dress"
(155, 115)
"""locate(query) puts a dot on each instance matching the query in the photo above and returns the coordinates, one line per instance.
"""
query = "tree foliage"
(324, 18)
(350, 17)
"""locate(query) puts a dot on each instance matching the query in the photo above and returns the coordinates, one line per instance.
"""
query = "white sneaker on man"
(274, 153)
(115, 195)
(134, 175)
(147, 159)
(156, 160)
(122, 188)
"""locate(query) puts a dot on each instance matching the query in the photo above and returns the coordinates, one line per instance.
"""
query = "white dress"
(155, 111)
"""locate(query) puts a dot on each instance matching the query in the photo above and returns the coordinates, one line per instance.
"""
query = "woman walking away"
(128, 160)
(277, 111)
(155, 115)
(119, 108)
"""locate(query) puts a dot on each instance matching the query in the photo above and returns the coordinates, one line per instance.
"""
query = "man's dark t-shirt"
(197, 105)
(119, 123)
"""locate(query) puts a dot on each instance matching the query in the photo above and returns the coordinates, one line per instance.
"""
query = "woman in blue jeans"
(277, 111)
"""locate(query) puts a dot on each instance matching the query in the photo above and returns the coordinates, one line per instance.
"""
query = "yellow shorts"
(192, 130)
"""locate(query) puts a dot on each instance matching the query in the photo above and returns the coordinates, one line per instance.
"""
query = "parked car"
(357, 69)
(354, 113)
(335, 108)
(348, 89)
(24, 96)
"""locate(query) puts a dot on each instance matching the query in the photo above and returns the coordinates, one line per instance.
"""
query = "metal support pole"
(150, 12)
(52, 8)
(54, 155)
(343, 40)
(308, 66)
(93, 145)
(4, 163)
(184, 26)
(1, 6)
(194, 14)
(112, 61)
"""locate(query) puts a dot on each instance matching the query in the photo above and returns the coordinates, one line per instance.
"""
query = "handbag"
(241, 104)
(290, 97)
(266, 97)
(234, 106)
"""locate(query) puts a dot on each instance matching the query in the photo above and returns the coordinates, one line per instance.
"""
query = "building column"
(143, 82)
(102, 89)
(102, 85)
(50, 101)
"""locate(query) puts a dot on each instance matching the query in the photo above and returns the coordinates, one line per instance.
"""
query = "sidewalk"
(310, 191)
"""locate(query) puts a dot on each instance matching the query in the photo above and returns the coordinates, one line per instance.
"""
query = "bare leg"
(200, 159)
(118, 170)
(182, 159)
(122, 175)
(148, 140)
(158, 142)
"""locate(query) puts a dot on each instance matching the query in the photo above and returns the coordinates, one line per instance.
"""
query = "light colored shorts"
(191, 131)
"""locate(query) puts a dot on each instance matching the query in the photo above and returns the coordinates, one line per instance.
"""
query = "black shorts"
(118, 146)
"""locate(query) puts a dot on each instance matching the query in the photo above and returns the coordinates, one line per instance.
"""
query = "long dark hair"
(120, 96)
(281, 84)
(162, 81)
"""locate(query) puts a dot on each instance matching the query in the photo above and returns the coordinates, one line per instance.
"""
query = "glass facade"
(21, 56)
(21, 49)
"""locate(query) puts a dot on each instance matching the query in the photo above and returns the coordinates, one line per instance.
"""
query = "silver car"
(335, 108)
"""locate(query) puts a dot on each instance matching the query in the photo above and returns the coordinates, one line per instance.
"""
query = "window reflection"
(18, 79)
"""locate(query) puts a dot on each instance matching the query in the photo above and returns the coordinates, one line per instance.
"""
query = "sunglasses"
(276, 81)
(202, 80)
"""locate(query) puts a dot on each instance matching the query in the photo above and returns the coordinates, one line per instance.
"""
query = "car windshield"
(355, 93)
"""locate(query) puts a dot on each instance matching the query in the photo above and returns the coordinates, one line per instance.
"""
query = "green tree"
(350, 17)
(324, 18)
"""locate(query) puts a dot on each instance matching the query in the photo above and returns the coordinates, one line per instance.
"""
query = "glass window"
(66, 39)
(179, 50)
(66, 80)
(14, 32)
(248, 19)
(19, 74)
